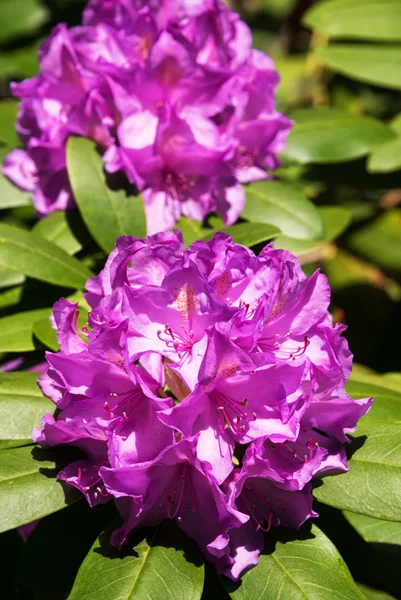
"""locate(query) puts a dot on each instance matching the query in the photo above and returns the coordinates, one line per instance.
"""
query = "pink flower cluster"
(173, 93)
(207, 387)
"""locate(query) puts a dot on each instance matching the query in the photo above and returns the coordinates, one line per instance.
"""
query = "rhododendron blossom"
(207, 387)
(173, 94)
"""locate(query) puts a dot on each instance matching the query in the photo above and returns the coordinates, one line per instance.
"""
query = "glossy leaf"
(9, 278)
(46, 334)
(300, 566)
(335, 220)
(28, 487)
(21, 17)
(387, 404)
(107, 213)
(162, 563)
(372, 594)
(374, 530)
(325, 135)
(358, 19)
(281, 205)
(24, 252)
(380, 240)
(63, 229)
(247, 234)
(8, 114)
(22, 405)
(387, 157)
(372, 486)
(16, 331)
(376, 64)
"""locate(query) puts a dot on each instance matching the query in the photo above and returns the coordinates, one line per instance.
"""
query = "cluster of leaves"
(334, 204)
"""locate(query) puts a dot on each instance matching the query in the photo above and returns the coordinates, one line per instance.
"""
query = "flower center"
(262, 512)
(179, 186)
(181, 496)
(296, 451)
(275, 343)
(231, 412)
(127, 405)
(178, 343)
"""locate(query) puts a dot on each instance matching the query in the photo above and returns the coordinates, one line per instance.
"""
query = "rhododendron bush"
(199, 226)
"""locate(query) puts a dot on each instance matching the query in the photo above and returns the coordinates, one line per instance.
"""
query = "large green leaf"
(247, 234)
(107, 213)
(24, 252)
(359, 19)
(46, 334)
(163, 563)
(280, 204)
(11, 297)
(380, 240)
(387, 157)
(325, 135)
(20, 18)
(9, 278)
(335, 220)
(372, 486)
(372, 594)
(22, 405)
(304, 566)
(385, 390)
(28, 487)
(375, 530)
(8, 114)
(191, 230)
(16, 331)
(21, 62)
(63, 229)
(376, 64)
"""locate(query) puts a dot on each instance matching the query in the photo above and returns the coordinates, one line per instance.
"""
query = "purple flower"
(207, 387)
(171, 91)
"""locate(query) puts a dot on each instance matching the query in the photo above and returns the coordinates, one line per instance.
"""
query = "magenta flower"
(207, 387)
(171, 91)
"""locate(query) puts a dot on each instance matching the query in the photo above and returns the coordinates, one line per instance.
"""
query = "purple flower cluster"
(207, 387)
(173, 93)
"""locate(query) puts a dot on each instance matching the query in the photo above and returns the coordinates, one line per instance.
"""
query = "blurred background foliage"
(340, 67)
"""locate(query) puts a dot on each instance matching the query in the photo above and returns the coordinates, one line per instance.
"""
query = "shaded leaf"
(372, 486)
(372, 594)
(387, 157)
(247, 234)
(20, 18)
(375, 64)
(359, 19)
(16, 331)
(380, 240)
(107, 213)
(46, 334)
(8, 114)
(325, 135)
(22, 405)
(163, 563)
(28, 487)
(281, 205)
(301, 566)
(63, 229)
(24, 252)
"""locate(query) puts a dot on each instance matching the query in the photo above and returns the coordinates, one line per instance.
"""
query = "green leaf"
(8, 114)
(163, 563)
(380, 240)
(24, 252)
(22, 405)
(63, 229)
(375, 64)
(387, 157)
(107, 213)
(28, 487)
(247, 234)
(9, 278)
(360, 19)
(46, 334)
(20, 18)
(16, 331)
(301, 566)
(191, 230)
(280, 204)
(372, 594)
(374, 530)
(372, 486)
(325, 135)
(335, 220)
(387, 404)
(11, 297)
(21, 62)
